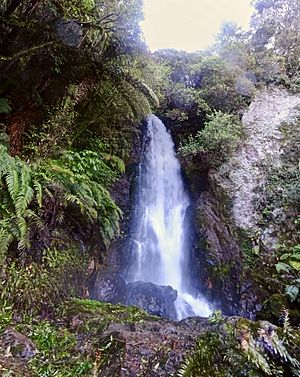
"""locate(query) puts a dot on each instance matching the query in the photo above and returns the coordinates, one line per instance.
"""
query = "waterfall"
(162, 249)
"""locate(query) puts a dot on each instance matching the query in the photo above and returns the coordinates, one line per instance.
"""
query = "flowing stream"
(161, 234)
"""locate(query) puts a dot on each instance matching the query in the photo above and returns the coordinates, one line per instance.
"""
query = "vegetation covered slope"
(75, 82)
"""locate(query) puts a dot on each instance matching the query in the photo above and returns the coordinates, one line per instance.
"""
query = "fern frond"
(12, 182)
(114, 162)
(23, 233)
(5, 240)
(26, 192)
(39, 192)
(75, 200)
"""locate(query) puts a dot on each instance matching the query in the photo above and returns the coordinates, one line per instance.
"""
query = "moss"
(60, 343)
(243, 324)
(96, 315)
(221, 271)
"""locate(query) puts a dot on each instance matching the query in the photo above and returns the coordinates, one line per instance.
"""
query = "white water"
(162, 249)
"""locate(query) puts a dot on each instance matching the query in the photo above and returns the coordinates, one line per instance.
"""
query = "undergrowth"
(240, 348)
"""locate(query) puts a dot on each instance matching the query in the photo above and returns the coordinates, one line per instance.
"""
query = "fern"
(203, 360)
(83, 177)
(17, 194)
(38, 192)
(239, 349)
(5, 240)
(256, 355)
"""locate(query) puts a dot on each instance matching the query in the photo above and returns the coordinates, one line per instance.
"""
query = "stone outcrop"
(113, 340)
(133, 343)
(17, 345)
(245, 174)
(108, 286)
(154, 299)
(228, 216)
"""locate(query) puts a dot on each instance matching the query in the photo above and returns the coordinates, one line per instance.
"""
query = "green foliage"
(53, 135)
(215, 318)
(218, 84)
(219, 138)
(275, 41)
(117, 144)
(279, 204)
(117, 99)
(6, 317)
(78, 9)
(282, 186)
(83, 177)
(39, 287)
(77, 325)
(288, 268)
(57, 354)
(197, 84)
(202, 362)
(18, 188)
(241, 349)
(99, 167)
(115, 106)
(4, 106)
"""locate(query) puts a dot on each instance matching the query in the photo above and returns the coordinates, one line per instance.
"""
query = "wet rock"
(123, 193)
(108, 286)
(17, 345)
(155, 299)
(70, 32)
(222, 259)
(220, 255)
(249, 303)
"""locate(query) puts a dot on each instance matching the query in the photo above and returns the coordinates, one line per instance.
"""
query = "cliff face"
(246, 174)
(243, 213)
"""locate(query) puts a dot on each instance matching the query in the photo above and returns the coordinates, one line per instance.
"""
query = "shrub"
(219, 138)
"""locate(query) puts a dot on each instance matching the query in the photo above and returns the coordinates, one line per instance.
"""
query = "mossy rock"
(96, 316)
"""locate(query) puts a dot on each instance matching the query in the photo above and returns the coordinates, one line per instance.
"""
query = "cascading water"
(160, 234)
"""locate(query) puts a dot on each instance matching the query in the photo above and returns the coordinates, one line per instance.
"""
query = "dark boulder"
(70, 32)
(17, 345)
(108, 286)
(154, 299)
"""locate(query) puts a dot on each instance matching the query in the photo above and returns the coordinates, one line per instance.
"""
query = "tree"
(275, 33)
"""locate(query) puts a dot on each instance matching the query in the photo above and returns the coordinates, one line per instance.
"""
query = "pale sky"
(190, 25)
